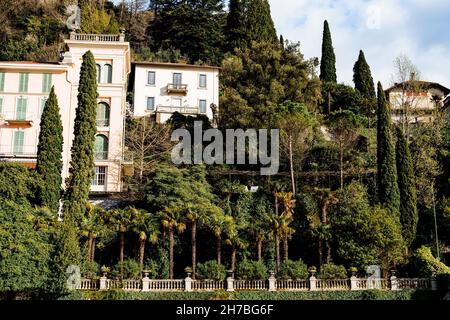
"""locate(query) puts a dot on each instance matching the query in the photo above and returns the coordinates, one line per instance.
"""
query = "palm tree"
(146, 225)
(220, 224)
(325, 199)
(276, 229)
(172, 219)
(120, 220)
(93, 226)
(287, 216)
(236, 242)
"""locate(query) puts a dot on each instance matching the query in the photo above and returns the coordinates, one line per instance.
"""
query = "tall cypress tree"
(259, 23)
(82, 162)
(406, 183)
(235, 33)
(362, 77)
(49, 161)
(328, 61)
(388, 192)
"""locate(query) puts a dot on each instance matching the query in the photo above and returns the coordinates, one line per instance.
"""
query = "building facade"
(415, 101)
(161, 89)
(24, 88)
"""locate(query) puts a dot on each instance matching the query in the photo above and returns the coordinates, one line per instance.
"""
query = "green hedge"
(257, 295)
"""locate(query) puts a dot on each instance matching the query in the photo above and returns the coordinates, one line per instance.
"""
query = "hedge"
(257, 295)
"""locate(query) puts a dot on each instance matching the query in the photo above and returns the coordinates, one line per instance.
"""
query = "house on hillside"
(25, 86)
(415, 101)
(161, 89)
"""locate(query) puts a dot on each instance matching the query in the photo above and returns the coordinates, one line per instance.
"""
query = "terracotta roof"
(423, 84)
(176, 65)
(28, 62)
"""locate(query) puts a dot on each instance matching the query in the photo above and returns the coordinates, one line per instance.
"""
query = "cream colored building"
(24, 87)
(419, 98)
(161, 89)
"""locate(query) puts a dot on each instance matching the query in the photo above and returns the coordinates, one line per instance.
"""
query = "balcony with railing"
(177, 88)
(100, 155)
(183, 109)
(17, 119)
(97, 37)
(18, 151)
(102, 123)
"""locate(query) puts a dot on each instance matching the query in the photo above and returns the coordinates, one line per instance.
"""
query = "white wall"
(163, 77)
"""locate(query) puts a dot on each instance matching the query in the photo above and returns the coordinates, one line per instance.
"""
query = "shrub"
(90, 269)
(131, 269)
(332, 271)
(252, 270)
(211, 270)
(293, 270)
(427, 265)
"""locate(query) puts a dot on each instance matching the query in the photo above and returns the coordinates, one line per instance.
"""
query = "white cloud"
(382, 28)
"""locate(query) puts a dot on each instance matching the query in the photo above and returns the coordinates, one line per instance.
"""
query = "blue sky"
(384, 29)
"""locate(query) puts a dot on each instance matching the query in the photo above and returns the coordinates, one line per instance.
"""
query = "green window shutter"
(99, 72)
(42, 106)
(46, 82)
(19, 138)
(1, 105)
(21, 109)
(2, 81)
(23, 82)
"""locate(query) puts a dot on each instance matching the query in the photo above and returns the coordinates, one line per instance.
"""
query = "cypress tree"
(235, 28)
(260, 26)
(49, 161)
(362, 77)
(328, 61)
(282, 42)
(388, 192)
(82, 162)
(406, 183)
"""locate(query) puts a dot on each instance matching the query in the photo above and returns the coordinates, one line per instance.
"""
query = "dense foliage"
(345, 197)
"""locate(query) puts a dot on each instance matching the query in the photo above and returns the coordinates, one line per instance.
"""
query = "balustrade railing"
(333, 284)
(417, 283)
(272, 284)
(208, 285)
(166, 285)
(292, 285)
(250, 285)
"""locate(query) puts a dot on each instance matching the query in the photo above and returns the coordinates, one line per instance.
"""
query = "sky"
(383, 29)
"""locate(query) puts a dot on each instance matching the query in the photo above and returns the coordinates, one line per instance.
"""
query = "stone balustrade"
(272, 284)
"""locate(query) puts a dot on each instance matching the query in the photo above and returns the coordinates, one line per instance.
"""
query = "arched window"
(107, 73)
(99, 72)
(103, 114)
(101, 147)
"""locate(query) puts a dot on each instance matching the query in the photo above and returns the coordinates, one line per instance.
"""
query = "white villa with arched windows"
(24, 88)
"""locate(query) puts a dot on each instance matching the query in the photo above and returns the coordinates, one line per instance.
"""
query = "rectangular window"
(202, 81)
(21, 109)
(19, 138)
(100, 176)
(177, 79)
(202, 106)
(46, 82)
(151, 78)
(150, 103)
(2, 81)
(23, 82)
